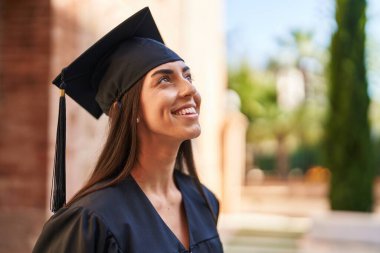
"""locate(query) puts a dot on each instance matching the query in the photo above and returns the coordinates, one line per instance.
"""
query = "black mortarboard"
(102, 74)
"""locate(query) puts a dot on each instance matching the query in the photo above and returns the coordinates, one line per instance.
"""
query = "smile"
(186, 111)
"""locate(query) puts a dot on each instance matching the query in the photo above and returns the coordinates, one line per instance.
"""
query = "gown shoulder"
(190, 183)
(76, 229)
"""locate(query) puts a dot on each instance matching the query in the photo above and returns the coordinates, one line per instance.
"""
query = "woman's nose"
(187, 88)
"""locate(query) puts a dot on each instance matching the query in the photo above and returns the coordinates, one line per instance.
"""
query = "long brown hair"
(120, 150)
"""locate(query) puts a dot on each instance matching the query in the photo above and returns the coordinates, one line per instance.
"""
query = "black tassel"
(58, 191)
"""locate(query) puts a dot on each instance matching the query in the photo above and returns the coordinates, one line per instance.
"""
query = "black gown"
(122, 219)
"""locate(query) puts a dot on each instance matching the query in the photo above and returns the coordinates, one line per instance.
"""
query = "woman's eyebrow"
(168, 71)
(163, 71)
(186, 68)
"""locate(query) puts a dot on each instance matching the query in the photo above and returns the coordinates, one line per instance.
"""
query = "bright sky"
(253, 27)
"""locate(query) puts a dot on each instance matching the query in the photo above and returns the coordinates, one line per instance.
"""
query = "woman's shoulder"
(190, 181)
(92, 207)
(99, 197)
(86, 224)
(190, 185)
(74, 215)
(76, 229)
(108, 202)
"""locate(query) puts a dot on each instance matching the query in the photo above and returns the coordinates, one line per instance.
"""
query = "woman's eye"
(164, 79)
(189, 78)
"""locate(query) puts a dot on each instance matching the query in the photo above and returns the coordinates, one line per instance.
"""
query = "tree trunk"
(282, 157)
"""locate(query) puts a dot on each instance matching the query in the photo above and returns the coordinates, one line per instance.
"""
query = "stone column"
(234, 154)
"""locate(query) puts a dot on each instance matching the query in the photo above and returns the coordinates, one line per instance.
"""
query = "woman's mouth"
(186, 111)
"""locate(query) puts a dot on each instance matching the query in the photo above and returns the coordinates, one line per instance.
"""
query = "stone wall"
(24, 69)
(24, 77)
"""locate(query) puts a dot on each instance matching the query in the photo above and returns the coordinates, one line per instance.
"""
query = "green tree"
(298, 50)
(347, 144)
(257, 91)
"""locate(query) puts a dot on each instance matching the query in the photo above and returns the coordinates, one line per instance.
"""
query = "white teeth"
(185, 111)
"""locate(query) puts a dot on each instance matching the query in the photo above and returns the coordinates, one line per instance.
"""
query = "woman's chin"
(191, 134)
(195, 133)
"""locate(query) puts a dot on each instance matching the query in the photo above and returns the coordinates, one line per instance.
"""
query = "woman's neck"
(155, 166)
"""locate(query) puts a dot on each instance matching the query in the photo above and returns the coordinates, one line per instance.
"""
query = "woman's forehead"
(170, 65)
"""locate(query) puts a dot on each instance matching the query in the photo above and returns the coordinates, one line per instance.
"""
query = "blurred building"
(37, 39)
(290, 88)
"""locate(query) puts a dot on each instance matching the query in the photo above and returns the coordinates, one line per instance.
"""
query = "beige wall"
(192, 28)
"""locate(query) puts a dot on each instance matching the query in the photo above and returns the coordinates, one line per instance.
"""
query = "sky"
(254, 27)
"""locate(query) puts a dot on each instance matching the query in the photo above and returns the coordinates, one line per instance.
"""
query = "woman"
(144, 194)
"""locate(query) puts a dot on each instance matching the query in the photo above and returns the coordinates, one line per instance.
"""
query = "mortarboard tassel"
(58, 191)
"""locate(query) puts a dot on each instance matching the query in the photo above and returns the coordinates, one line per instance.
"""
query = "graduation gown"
(121, 219)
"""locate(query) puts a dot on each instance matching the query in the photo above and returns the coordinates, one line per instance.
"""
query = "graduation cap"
(101, 75)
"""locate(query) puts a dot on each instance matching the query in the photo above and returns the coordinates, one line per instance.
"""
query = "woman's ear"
(116, 105)
(139, 115)
(115, 108)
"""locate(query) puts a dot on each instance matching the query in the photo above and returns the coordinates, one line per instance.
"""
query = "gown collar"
(200, 222)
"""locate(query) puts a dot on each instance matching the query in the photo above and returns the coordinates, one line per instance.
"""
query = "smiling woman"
(169, 104)
(144, 194)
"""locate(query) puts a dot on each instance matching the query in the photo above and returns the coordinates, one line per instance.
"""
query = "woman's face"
(169, 103)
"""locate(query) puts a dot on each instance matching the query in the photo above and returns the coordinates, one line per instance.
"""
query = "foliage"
(258, 94)
(256, 90)
(376, 148)
(304, 157)
(347, 143)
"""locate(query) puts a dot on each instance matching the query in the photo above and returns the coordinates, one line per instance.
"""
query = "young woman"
(144, 194)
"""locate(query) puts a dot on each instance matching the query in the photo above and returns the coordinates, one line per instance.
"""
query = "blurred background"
(290, 116)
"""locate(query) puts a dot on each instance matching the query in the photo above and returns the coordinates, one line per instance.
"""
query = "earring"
(138, 120)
